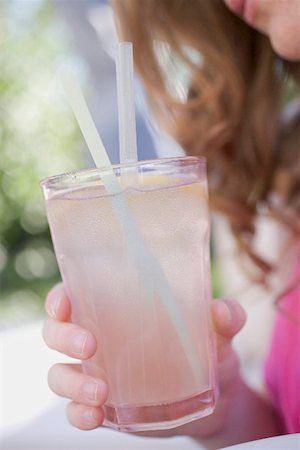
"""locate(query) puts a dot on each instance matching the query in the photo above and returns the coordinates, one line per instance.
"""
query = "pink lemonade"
(151, 383)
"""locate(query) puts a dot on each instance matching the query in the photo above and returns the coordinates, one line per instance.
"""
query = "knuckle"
(80, 342)
(87, 391)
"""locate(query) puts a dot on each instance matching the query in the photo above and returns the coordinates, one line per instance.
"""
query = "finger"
(228, 318)
(58, 305)
(67, 380)
(84, 417)
(69, 339)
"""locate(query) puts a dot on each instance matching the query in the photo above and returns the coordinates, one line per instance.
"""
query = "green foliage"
(38, 138)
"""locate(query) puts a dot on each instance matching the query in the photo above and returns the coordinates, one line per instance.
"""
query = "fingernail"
(88, 416)
(225, 312)
(54, 306)
(78, 343)
(90, 390)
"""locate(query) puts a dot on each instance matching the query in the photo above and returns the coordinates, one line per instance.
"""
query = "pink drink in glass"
(151, 383)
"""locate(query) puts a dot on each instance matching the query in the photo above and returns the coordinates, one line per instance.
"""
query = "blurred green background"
(38, 137)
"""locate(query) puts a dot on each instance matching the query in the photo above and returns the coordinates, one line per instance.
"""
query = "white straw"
(89, 130)
(126, 107)
(136, 245)
(84, 119)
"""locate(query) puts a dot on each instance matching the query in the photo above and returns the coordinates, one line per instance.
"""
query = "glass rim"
(54, 179)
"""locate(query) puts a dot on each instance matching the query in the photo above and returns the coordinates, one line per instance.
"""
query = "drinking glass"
(160, 373)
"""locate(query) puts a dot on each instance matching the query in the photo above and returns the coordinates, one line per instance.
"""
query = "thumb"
(228, 317)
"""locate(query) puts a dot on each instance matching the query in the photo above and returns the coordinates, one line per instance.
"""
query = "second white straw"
(126, 106)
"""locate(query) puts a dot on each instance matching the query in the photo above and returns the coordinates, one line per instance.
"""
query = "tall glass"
(152, 383)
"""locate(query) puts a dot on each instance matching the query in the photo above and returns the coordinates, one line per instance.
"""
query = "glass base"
(160, 417)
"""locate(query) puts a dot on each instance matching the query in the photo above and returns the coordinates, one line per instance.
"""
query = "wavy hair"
(230, 107)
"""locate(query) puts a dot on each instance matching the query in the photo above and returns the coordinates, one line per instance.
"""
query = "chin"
(285, 41)
(291, 53)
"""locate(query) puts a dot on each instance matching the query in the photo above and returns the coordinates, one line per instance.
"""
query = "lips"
(237, 6)
(243, 8)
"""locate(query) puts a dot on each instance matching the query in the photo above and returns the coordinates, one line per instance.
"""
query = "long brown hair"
(232, 109)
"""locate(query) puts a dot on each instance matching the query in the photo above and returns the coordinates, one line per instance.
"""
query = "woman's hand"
(88, 394)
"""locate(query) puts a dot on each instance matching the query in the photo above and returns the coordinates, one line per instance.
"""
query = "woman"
(243, 64)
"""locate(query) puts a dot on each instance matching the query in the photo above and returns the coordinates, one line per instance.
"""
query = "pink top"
(282, 370)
